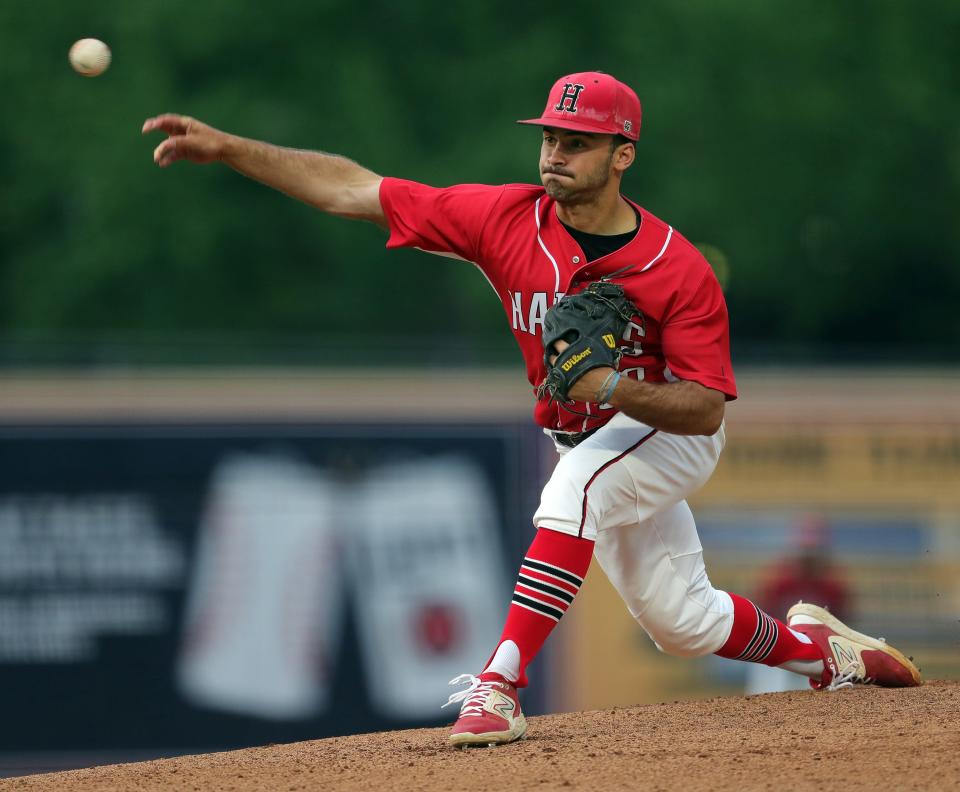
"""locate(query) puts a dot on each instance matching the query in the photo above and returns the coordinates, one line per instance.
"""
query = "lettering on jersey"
(517, 322)
(634, 334)
(574, 359)
(568, 99)
(538, 309)
(528, 316)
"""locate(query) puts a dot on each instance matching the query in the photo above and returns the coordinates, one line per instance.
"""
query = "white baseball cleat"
(851, 657)
(490, 713)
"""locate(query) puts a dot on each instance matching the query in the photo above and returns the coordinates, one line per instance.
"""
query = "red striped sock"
(550, 577)
(759, 638)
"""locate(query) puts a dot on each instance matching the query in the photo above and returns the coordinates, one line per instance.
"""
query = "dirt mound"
(859, 738)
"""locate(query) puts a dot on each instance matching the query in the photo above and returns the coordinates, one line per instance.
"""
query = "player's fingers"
(167, 122)
(170, 123)
(166, 153)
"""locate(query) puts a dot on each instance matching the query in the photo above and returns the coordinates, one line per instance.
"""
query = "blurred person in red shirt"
(807, 573)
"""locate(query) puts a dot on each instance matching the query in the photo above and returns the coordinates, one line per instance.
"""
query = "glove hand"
(581, 334)
(584, 389)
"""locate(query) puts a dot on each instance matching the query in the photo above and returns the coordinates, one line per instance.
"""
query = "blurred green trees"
(816, 146)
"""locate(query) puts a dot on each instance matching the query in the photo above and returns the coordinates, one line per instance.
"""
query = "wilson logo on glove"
(569, 364)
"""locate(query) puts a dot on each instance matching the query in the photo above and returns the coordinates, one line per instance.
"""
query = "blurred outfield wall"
(875, 457)
(876, 454)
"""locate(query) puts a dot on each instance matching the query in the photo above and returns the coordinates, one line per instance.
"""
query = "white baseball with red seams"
(89, 57)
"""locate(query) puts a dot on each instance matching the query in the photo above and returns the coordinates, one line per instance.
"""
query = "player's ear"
(623, 156)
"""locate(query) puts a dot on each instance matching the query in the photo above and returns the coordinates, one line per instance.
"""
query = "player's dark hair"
(619, 140)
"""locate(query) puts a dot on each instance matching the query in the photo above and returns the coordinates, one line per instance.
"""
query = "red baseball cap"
(591, 102)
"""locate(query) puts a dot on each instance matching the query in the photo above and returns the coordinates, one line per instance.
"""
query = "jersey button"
(576, 259)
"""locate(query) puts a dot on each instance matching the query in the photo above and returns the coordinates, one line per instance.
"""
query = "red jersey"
(512, 233)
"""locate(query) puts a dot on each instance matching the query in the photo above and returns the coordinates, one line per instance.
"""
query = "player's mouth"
(553, 172)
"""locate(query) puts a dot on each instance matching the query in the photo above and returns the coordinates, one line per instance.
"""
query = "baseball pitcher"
(624, 331)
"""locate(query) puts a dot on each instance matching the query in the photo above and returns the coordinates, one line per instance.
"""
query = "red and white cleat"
(490, 713)
(851, 657)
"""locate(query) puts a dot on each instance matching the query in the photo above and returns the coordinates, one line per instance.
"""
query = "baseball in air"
(89, 57)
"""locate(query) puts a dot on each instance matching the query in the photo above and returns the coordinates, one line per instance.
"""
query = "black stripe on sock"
(551, 570)
(553, 591)
(764, 651)
(758, 636)
(556, 613)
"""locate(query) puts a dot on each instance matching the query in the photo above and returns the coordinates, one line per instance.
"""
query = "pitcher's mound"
(859, 738)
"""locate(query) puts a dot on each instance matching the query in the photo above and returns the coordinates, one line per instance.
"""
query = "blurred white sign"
(427, 580)
(263, 617)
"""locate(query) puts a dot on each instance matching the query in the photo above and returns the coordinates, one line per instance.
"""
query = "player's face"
(575, 166)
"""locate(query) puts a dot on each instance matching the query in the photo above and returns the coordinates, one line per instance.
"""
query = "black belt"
(572, 439)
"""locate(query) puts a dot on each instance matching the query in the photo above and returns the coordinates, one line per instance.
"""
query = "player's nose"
(554, 156)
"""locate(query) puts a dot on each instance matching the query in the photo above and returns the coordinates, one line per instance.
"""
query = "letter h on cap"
(571, 92)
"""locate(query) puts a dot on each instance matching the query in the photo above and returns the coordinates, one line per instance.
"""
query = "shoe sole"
(831, 621)
(489, 739)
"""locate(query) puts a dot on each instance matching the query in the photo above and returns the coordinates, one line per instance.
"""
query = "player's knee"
(683, 645)
(697, 625)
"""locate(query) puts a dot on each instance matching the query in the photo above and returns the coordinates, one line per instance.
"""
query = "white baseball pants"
(625, 487)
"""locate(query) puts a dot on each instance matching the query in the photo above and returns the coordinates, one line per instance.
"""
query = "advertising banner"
(209, 585)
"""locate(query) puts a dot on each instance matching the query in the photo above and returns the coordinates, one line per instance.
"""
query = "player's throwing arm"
(333, 184)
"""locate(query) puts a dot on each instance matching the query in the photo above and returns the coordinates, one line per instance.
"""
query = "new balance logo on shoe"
(844, 654)
(503, 706)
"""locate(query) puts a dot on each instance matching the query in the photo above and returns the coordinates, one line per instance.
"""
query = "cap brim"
(572, 125)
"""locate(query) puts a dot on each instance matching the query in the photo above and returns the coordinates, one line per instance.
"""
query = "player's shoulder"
(520, 195)
(504, 201)
(504, 195)
(521, 192)
(679, 249)
(509, 193)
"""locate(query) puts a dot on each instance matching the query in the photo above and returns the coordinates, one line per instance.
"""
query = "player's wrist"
(624, 396)
(228, 147)
(607, 387)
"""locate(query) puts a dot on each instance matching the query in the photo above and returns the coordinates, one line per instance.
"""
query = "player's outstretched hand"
(188, 139)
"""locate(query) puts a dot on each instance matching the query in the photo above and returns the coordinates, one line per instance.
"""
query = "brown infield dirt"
(858, 738)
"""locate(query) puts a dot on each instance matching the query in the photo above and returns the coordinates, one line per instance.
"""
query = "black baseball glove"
(592, 323)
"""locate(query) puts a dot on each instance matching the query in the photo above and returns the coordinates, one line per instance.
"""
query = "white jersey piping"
(662, 250)
(556, 269)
